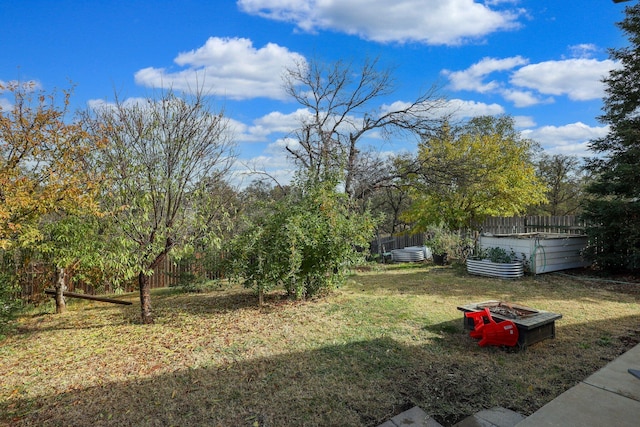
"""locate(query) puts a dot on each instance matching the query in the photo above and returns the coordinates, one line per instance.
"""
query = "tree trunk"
(145, 298)
(60, 287)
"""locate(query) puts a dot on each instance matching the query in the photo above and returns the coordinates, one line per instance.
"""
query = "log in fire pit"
(533, 325)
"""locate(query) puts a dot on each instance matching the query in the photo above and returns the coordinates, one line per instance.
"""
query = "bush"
(304, 243)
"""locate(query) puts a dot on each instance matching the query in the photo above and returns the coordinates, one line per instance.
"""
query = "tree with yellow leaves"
(44, 162)
(45, 167)
(464, 174)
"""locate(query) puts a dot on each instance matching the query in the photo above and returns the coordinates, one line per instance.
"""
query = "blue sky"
(539, 61)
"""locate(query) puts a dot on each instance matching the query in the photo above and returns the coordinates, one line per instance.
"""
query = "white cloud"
(457, 108)
(583, 50)
(524, 121)
(580, 79)
(280, 122)
(230, 67)
(433, 22)
(29, 86)
(523, 98)
(5, 104)
(464, 109)
(99, 104)
(473, 77)
(273, 161)
(273, 123)
(570, 139)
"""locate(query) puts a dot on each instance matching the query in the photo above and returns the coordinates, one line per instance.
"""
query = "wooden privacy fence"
(38, 277)
(397, 241)
(568, 224)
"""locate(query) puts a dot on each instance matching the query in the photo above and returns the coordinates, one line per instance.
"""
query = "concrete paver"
(414, 417)
(495, 417)
(615, 377)
(585, 405)
(610, 397)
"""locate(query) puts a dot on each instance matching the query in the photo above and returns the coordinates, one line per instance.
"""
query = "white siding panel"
(545, 253)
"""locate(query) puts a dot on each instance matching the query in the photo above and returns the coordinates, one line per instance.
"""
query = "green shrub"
(499, 255)
(304, 243)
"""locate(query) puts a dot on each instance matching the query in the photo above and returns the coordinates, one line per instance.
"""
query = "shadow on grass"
(449, 327)
(356, 384)
(353, 384)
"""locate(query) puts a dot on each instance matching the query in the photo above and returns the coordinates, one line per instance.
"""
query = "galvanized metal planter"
(484, 267)
(410, 254)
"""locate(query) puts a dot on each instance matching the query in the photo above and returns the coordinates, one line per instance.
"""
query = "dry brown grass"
(387, 341)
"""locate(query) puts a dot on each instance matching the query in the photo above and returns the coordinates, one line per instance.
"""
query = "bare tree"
(163, 158)
(344, 104)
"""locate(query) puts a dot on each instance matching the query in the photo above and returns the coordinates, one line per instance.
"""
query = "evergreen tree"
(613, 209)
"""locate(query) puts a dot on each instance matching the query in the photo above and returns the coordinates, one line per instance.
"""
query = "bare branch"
(342, 109)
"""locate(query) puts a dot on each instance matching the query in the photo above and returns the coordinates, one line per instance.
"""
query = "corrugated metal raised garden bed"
(485, 267)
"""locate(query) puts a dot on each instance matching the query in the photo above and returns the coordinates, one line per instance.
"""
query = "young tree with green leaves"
(162, 159)
(81, 247)
(304, 242)
(464, 174)
(613, 208)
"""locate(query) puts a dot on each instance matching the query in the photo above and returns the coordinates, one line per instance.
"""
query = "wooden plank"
(89, 297)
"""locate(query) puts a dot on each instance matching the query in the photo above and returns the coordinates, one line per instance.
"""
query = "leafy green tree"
(162, 160)
(387, 194)
(464, 174)
(82, 248)
(256, 200)
(565, 181)
(9, 289)
(613, 208)
(304, 242)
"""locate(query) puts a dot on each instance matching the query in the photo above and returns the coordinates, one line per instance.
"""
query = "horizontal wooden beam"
(89, 297)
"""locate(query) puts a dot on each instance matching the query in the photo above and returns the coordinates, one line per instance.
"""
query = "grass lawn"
(390, 339)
